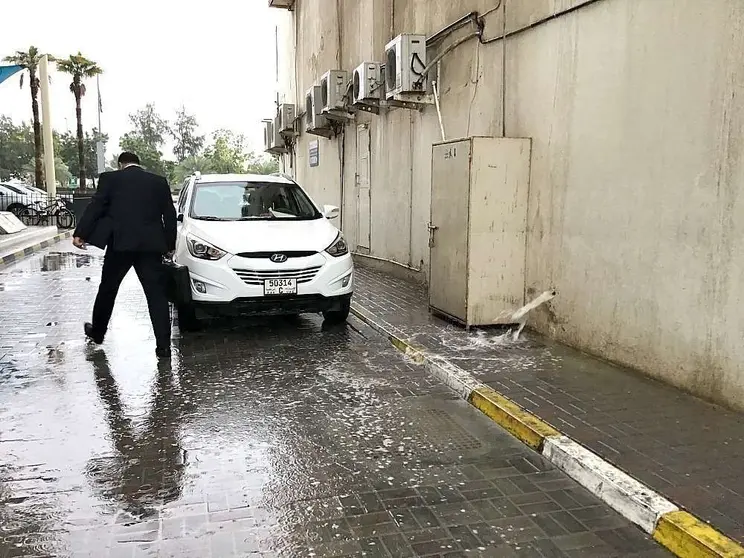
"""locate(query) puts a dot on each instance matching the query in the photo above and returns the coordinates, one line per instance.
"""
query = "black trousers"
(152, 277)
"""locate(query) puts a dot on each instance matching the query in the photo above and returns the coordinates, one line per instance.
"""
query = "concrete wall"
(635, 212)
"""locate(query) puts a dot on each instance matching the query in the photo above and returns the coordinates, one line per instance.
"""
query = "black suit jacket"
(135, 211)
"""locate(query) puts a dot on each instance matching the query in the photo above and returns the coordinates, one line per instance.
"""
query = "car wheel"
(16, 208)
(338, 316)
(187, 320)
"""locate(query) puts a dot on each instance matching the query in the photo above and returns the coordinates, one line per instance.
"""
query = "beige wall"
(635, 212)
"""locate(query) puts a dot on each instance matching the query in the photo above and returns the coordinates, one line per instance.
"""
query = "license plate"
(280, 286)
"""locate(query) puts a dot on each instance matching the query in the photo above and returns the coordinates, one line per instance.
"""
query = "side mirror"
(179, 218)
(331, 211)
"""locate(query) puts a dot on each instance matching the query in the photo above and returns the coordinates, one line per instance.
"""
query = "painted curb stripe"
(688, 537)
(523, 425)
(680, 532)
(20, 254)
(629, 497)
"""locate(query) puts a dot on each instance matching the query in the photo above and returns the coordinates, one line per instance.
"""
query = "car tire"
(187, 321)
(338, 316)
(16, 208)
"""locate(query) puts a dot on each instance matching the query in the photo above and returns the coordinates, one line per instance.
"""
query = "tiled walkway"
(685, 448)
(263, 438)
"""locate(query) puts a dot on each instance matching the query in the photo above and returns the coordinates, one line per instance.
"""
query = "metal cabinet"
(477, 231)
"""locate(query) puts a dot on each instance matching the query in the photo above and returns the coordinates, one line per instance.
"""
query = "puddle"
(56, 261)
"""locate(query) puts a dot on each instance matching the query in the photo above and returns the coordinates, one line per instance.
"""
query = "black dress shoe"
(89, 333)
(163, 353)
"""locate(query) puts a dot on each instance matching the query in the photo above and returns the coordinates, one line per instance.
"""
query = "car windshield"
(251, 201)
(16, 189)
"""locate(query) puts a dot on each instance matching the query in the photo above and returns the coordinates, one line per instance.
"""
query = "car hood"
(266, 236)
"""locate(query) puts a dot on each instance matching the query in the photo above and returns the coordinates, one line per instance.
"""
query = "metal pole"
(100, 148)
(51, 179)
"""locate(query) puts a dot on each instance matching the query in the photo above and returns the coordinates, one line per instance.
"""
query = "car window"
(182, 199)
(15, 189)
(233, 201)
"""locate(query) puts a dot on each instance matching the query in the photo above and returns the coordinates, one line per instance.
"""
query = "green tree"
(188, 143)
(150, 126)
(261, 164)
(30, 61)
(61, 171)
(146, 139)
(16, 148)
(80, 68)
(227, 152)
(150, 157)
(189, 166)
(66, 146)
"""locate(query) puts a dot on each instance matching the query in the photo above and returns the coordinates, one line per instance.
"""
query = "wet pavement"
(685, 448)
(262, 438)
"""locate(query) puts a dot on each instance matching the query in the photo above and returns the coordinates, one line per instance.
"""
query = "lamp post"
(46, 124)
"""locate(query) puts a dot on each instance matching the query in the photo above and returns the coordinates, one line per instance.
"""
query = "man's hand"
(79, 243)
(169, 254)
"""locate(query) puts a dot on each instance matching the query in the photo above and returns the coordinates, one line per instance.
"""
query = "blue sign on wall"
(314, 153)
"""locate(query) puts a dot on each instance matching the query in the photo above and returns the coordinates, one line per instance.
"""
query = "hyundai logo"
(278, 258)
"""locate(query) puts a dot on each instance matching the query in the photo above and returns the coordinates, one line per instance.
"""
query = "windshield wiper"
(211, 218)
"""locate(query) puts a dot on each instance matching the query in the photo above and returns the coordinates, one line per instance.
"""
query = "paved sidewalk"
(684, 448)
(263, 438)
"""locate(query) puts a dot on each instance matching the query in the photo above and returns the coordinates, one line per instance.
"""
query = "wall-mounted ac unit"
(268, 134)
(405, 60)
(333, 90)
(278, 143)
(273, 140)
(286, 119)
(368, 83)
(286, 4)
(315, 121)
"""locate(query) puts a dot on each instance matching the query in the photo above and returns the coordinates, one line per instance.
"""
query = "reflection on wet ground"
(268, 437)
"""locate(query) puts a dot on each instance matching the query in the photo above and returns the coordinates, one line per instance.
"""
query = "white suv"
(259, 245)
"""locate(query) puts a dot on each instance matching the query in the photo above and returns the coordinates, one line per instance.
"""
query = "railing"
(40, 209)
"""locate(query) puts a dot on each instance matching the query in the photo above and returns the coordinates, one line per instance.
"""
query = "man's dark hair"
(128, 158)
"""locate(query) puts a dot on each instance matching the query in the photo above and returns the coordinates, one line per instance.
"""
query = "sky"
(216, 58)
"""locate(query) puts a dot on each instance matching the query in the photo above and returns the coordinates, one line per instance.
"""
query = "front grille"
(267, 255)
(254, 277)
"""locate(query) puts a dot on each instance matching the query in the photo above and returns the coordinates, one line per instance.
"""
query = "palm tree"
(80, 68)
(30, 61)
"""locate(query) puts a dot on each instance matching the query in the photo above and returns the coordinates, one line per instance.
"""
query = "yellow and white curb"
(29, 250)
(679, 531)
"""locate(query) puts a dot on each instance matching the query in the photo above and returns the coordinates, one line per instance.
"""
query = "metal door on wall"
(448, 229)
(364, 200)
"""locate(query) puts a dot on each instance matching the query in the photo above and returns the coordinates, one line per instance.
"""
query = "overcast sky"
(215, 58)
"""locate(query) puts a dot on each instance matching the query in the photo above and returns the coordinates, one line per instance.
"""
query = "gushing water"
(519, 317)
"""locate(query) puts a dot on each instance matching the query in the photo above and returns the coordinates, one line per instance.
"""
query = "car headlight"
(338, 248)
(203, 250)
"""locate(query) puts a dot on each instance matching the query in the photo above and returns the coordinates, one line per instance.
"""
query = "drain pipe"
(439, 110)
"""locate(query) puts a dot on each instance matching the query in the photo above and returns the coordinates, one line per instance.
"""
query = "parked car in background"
(259, 245)
(16, 198)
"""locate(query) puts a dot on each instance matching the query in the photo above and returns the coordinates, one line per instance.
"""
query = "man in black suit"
(133, 210)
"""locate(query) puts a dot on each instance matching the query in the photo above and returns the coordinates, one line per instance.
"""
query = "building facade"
(634, 211)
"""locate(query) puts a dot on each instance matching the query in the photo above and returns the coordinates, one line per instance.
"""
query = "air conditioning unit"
(286, 4)
(268, 134)
(368, 82)
(287, 115)
(273, 140)
(277, 138)
(405, 60)
(333, 90)
(315, 121)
